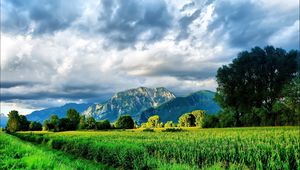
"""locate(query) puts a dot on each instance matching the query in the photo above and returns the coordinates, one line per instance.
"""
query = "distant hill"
(131, 102)
(3, 120)
(173, 109)
(44, 114)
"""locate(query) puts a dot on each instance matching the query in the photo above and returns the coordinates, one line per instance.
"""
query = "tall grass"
(232, 148)
(17, 154)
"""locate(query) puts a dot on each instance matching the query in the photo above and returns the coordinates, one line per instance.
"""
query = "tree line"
(18, 122)
(190, 119)
(75, 121)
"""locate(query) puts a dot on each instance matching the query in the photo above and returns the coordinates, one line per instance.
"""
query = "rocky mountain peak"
(132, 102)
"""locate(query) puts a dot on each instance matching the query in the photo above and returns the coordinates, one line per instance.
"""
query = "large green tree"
(255, 79)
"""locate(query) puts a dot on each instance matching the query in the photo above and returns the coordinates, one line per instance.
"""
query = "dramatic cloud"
(58, 51)
(38, 16)
(126, 22)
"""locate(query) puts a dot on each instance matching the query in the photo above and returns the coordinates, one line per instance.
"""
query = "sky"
(59, 51)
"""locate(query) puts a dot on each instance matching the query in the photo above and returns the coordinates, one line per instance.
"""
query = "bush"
(170, 124)
(173, 130)
(105, 124)
(148, 130)
(125, 122)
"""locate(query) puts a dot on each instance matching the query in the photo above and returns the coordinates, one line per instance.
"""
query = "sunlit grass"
(193, 148)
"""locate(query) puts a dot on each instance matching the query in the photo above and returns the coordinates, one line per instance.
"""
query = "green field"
(230, 148)
(17, 154)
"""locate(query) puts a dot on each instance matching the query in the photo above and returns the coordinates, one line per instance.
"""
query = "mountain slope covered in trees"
(173, 109)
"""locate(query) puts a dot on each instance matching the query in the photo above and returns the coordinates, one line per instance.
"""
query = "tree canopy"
(124, 122)
(13, 123)
(255, 79)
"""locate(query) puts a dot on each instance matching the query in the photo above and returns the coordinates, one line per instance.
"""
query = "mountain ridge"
(131, 102)
(140, 103)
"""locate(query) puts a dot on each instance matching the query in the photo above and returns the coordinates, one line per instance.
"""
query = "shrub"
(125, 122)
(169, 124)
(35, 126)
(173, 130)
(148, 130)
(105, 124)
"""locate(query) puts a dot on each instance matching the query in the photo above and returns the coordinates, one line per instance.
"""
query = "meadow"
(17, 154)
(192, 148)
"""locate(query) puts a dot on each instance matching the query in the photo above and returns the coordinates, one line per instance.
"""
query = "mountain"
(173, 109)
(44, 114)
(131, 102)
(3, 120)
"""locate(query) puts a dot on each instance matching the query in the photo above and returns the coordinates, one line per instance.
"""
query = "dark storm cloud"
(124, 22)
(247, 23)
(38, 16)
(83, 94)
(10, 84)
(184, 73)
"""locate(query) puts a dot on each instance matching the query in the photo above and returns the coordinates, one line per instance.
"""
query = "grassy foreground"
(17, 154)
(230, 148)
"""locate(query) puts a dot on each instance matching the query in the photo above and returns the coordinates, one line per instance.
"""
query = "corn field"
(193, 148)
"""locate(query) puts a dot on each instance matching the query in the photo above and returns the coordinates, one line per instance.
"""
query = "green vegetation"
(18, 122)
(259, 88)
(195, 118)
(124, 122)
(172, 130)
(193, 148)
(35, 126)
(17, 154)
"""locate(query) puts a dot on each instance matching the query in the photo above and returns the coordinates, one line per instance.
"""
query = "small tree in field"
(105, 124)
(54, 123)
(82, 122)
(153, 122)
(13, 123)
(187, 120)
(90, 123)
(125, 122)
(199, 117)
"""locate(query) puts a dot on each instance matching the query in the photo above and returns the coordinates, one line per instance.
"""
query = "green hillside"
(173, 109)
